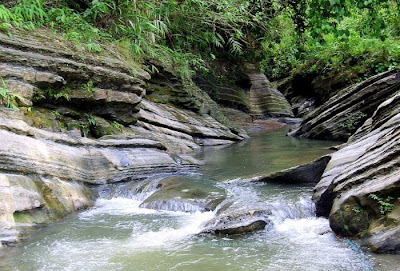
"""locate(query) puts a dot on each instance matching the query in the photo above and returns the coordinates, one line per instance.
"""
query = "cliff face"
(341, 115)
(360, 188)
(83, 120)
(247, 89)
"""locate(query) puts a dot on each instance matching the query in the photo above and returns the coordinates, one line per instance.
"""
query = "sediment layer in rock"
(341, 115)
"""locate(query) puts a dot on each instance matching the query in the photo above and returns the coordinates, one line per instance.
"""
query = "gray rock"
(362, 178)
(304, 174)
(184, 195)
(344, 113)
(236, 220)
(265, 100)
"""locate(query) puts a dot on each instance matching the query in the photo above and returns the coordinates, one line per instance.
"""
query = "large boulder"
(344, 113)
(360, 188)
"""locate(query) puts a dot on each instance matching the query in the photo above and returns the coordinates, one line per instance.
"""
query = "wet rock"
(184, 195)
(344, 113)
(238, 220)
(360, 187)
(304, 174)
(28, 201)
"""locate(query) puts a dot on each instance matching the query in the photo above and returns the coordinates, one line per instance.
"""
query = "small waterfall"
(176, 205)
(300, 209)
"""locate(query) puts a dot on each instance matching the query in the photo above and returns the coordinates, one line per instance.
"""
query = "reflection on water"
(263, 153)
(119, 235)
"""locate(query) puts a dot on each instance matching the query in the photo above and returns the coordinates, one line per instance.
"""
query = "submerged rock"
(184, 195)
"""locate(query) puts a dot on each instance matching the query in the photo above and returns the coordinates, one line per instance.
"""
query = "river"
(116, 234)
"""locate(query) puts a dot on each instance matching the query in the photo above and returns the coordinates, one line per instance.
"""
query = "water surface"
(119, 235)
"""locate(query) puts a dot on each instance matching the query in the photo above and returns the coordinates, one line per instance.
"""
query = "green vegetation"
(116, 125)
(353, 121)
(7, 98)
(284, 36)
(386, 205)
(50, 93)
(88, 88)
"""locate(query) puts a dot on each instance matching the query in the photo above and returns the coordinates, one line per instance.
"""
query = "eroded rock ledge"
(360, 188)
(341, 115)
(84, 121)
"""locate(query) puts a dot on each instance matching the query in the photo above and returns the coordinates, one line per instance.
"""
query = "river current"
(117, 234)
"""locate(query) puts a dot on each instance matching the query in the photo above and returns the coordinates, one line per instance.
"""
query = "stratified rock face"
(265, 100)
(43, 174)
(247, 89)
(66, 95)
(360, 188)
(183, 130)
(342, 114)
(27, 201)
(39, 65)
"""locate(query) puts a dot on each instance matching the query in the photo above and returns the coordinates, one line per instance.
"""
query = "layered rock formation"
(360, 187)
(249, 90)
(83, 121)
(341, 115)
(265, 100)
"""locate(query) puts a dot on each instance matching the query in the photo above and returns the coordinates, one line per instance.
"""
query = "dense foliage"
(282, 35)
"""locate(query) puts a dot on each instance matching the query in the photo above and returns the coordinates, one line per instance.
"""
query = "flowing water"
(117, 234)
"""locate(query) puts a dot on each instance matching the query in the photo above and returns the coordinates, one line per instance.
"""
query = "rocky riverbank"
(360, 187)
(83, 121)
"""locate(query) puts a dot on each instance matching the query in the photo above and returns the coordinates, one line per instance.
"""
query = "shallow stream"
(117, 234)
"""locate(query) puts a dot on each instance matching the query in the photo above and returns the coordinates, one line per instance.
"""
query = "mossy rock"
(103, 127)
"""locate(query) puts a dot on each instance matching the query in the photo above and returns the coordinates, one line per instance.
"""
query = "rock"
(182, 130)
(244, 88)
(265, 100)
(301, 106)
(345, 112)
(69, 96)
(360, 187)
(29, 201)
(103, 127)
(167, 87)
(79, 159)
(304, 174)
(237, 219)
(183, 195)
(35, 68)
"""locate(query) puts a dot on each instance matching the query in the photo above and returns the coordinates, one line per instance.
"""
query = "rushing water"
(119, 235)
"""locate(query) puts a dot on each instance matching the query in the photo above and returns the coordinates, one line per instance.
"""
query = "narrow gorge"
(110, 160)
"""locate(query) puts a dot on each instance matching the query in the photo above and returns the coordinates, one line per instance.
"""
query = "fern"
(234, 46)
